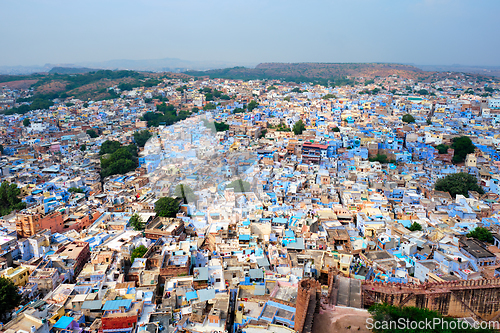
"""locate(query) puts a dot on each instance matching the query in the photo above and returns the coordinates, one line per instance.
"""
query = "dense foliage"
(442, 149)
(458, 183)
(329, 96)
(9, 297)
(26, 122)
(141, 137)
(165, 115)
(382, 158)
(138, 252)
(209, 106)
(167, 207)
(92, 133)
(408, 118)
(9, 198)
(482, 234)
(118, 160)
(184, 192)
(299, 127)
(462, 145)
(75, 190)
(239, 185)
(252, 105)
(388, 318)
(38, 102)
(415, 227)
(280, 127)
(221, 127)
(136, 222)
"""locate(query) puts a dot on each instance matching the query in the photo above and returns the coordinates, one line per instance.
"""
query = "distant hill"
(480, 70)
(301, 72)
(71, 70)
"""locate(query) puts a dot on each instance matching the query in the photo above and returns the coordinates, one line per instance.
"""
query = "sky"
(424, 32)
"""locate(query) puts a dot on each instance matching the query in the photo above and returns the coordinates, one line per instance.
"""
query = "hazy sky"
(445, 32)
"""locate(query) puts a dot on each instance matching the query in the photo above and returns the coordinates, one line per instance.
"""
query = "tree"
(85, 105)
(75, 190)
(167, 207)
(26, 122)
(442, 149)
(299, 127)
(118, 159)
(462, 145)
(252, 105)
(138, 252)
(415, 227)
(9, 198)
(221, 127)
(109, 147)
(336, 129)
(239, 185)
(92, 133)
(287, 98)
(185, 192)
(209, 106)
(381, 158)
(391, 315)
(408, 118)
(136, 222)
(1, 149)
(329, 96)
(9, 297)
(141, 137)
(458, 183)
(83, 147)
(483, 234)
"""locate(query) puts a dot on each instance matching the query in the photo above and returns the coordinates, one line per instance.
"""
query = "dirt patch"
(53, 86)
(332, 319)
(21, 84)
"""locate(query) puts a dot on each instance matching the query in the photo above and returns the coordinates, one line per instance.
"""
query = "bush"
(442, 149)
(92, 133)
(390, 315)
(458, 183)
(166, 207)
(138, 252)
(299, 127)
(9, 297)
(462, 145)
(408, 118)
(239, 186)
(75, 190)
(185, 192)
(136, 222)
(381, 158)
(415, 227)
(141, 137)
(121, 159)
(9, 198)
(482, 234)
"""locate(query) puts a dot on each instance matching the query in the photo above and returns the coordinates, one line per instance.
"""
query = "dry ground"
(332, 319)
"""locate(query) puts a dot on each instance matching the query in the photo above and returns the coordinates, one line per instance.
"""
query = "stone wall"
(306, 294)
(477, 298)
